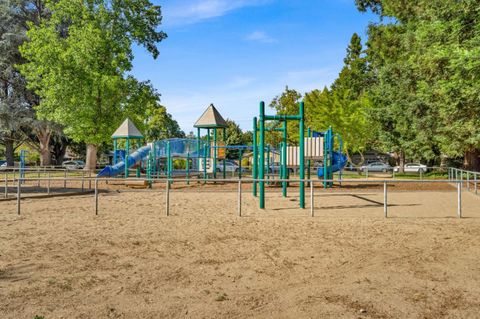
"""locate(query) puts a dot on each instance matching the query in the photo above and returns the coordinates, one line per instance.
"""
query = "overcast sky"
(236, 53)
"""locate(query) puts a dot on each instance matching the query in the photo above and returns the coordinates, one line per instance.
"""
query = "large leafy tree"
(426, 68)
(287, 104)
(78, 61)
(160, 124)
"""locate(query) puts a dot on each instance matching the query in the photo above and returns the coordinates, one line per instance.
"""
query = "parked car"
(75, 164)
(376, 167)
(276, 169)
(412, 168)
(229, 167)
(3, 164)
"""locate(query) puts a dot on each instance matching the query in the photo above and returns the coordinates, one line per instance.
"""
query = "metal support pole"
(188, 168)
(385, 202)
(48, 184)
(96, 196)
(261, 149)
(312, 203)
(167, 198)
(19, 194)
(215, 149)
(468, 181)
(38, 176)
(459, 200)
(302, 154)
(366, 172)
(239, 198)
(284, 168)
(255, 157)
(89, 180)
(65, 179)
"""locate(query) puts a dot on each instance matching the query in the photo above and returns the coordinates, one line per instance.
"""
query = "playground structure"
(201, 155)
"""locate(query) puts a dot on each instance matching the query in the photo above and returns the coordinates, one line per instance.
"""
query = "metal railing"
(311, 183)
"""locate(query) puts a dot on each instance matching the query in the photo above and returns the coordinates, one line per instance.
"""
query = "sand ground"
(59, 260)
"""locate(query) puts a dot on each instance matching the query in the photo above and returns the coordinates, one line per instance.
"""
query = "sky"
(236, 53)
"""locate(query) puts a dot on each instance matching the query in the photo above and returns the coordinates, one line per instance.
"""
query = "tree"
(235, 136)
(160, 124)
(287, 104)
(426, 76)
(78, 60)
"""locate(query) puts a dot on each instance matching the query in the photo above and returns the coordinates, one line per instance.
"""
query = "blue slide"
(119, 168)
(339, 161)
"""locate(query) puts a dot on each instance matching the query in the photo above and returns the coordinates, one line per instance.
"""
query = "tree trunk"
(45, 155)
(400, 160)
(9, 152)
(471, 160)
(91, 160)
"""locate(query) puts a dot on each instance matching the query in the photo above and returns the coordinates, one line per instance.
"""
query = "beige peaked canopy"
(211, 118)
(127, 130)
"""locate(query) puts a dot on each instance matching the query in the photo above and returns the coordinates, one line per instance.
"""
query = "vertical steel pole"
(89, 179)
(255, 158)
(312, 208)
(239, 198)
(127, 153)
(225, 157)
(38, 177)
(459, 200)
(19, 192)
(167, 198)
(65, 179)
(261, 166)
(188, 168)
(302, 154)
(468, 181)
(48, 184)
(215, 149)
(385, 202)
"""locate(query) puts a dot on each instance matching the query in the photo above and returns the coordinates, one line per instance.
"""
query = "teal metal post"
(127, 152)
(215, 149)
(188, 168)
(262, 155)
(255, 158)
(325, 158)
(198, 148)
(114, 151)
(284, 167)
(139, 164)
(209, 151)
(302, 155)
(225, 159)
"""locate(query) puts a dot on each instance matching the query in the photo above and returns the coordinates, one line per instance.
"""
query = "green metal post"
(262, 155)
(215, 153)
(139, 164)
(302, 155)
(198, 148)
(284, 167)
(209, 150)
(325, 158)
(188, 168)
(255, 157)
(127, 152)
(114, 151)
(224, 160)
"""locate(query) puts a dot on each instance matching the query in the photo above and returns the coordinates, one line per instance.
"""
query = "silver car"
(377, 167)
(76, 164)
(412, 168)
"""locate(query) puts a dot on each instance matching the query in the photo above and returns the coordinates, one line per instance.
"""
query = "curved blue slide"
(339, 161)
(119, 168)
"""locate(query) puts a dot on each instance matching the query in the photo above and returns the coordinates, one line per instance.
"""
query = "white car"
(412, 168)
(229, 167)
(76, 164)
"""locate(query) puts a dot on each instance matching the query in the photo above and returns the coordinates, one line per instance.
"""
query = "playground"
(131, 260)
(147, 238)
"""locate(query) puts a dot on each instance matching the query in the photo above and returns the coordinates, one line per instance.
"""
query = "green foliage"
(235, 136)
(286, 104)
(78, 60)
(160, 124)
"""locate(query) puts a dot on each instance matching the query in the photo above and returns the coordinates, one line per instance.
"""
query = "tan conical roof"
(127, 129)
(211, 118)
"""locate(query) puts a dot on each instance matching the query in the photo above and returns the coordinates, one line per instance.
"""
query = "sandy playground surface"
(59, 260)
